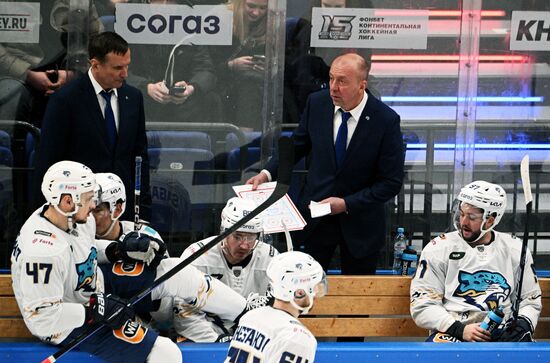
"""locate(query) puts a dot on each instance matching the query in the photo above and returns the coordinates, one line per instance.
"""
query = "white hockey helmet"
(235, 209)
(67, 177)
(490, 198)
(293, 275)
(111, 191)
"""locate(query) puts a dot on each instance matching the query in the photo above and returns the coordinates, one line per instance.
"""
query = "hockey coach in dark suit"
(355, 149)
(98, 120)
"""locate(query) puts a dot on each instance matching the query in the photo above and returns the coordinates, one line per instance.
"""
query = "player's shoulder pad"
(510, 241)
(193, 248)
(40, 242)
(265, 250)
(438, 243)
(296, 331)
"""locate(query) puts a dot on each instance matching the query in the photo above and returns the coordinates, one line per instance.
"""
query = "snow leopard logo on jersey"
(86, 272)
(483, 289)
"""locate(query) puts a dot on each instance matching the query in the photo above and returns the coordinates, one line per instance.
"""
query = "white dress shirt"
(101, 100)
(353, 120)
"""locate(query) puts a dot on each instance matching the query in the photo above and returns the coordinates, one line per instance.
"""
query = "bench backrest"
(355, 306)
(378, 306)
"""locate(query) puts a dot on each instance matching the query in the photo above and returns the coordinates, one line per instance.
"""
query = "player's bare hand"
(475, 333)
(158, 92)
(258, 179)
(337, 205)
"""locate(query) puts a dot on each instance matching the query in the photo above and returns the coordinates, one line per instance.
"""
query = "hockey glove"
(521, 331)
(136, 246)
(103, 306)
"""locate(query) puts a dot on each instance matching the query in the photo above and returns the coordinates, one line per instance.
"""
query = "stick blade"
(525, 179)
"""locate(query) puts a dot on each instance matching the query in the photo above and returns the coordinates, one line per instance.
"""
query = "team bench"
(378, 306)
(355, 306)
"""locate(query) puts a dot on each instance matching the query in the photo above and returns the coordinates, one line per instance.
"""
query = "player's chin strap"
(301, 309)
(481, 235)
(109, 230)
(69, 216)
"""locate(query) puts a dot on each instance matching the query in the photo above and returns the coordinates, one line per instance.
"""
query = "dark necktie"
(109, 119)
(341, 138)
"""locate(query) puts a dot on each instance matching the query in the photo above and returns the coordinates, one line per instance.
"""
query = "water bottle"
(399, 245)
(493, 319)
(409, 258)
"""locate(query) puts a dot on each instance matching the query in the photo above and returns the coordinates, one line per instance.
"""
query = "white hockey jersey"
(455, 281)
(53, 274)
(244, 280)
(199, 327)
(269, 335)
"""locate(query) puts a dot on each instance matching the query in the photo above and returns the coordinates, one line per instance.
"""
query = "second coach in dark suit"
(98, 120)
(356, 155)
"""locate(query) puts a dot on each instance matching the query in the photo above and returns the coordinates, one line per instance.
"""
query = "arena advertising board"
(530, 30)
(369, 28)
(174, 24)
(19, 22)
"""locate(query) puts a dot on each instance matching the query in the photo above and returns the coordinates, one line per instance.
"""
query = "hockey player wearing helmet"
(240, 261)
(58, 287)
(133, 270)
(145, 245)
(464, 274)
(295, 280)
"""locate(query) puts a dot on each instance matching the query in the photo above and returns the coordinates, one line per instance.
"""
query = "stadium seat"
(181, 179)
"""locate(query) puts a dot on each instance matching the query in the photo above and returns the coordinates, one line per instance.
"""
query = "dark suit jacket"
(74, 129)
(371, 174)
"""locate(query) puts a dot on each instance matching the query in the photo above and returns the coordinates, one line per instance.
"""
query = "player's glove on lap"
(103, 306)
(519, 332)
(137, 247)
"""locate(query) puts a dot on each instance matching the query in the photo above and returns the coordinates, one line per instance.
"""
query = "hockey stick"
(286, 162)
(526, 183)
(289, 246)
(137, 193)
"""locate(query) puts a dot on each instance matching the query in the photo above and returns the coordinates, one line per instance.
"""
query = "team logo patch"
(456, 255)
(86, 272)
(131, 332)
(483, 289)
(128, 268)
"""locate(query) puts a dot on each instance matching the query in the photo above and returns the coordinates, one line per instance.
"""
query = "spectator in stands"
(306, 67)
(31, 72)
(464, 274)
(99, 120)
(355, 172)
(241, 66)
(178, 81)
(240, 261)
